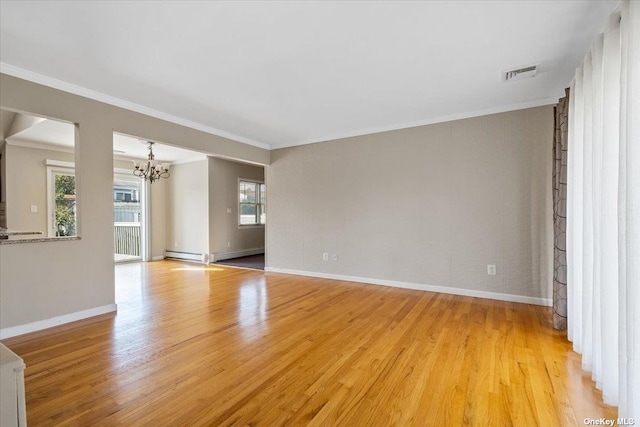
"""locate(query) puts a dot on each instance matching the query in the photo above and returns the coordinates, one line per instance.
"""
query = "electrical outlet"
(175, 244)
(228, 210)
(34, 209)
(228, 244)
(334, 257)
(325, 256)
(491, 269)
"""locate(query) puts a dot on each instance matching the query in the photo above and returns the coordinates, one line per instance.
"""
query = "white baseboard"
(56, 321)
(187, 256)
(221, 256)
(420, 287)
(157, 258)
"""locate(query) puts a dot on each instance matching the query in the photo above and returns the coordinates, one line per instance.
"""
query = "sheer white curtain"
(603, 211)
(609, 208)
(629, 212)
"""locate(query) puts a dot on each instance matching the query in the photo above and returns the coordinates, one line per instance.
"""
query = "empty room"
(358, 213)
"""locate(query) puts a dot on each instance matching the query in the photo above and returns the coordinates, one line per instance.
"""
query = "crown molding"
(101, 97)
(191, 159)
(16, 142)
(431, 121)
(117, 102)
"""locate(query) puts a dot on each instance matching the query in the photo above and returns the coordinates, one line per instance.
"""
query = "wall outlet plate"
(491, 269)
(325, 256)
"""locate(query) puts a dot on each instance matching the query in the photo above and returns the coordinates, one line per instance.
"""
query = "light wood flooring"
(212, 345)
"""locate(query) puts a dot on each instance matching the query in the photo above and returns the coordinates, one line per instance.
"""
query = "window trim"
(258, 202)
(58, 168)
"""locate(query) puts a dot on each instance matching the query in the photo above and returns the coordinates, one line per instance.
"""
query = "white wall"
(225, 235)
(430, 205)
(187, 197)
(158, 218)
(47, 282)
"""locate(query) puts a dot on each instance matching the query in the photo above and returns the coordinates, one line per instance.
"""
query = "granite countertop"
(8, 237)
(7, 232)
(38, 240)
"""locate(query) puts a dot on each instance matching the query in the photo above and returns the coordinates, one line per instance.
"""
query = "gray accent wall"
(225, 235)
(430, 205)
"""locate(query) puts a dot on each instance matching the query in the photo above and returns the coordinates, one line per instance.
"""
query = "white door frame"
(145, 220)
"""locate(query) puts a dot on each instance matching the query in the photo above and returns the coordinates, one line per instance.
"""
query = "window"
(61, 206)
(125, 192)
(252, 203)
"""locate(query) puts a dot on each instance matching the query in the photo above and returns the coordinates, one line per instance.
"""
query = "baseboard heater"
(221, 256)
(187, 256)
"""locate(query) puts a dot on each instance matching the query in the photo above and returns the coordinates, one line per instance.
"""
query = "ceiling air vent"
(520, 73)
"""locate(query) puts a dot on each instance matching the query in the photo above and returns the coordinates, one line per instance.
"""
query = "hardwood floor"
(211, 345)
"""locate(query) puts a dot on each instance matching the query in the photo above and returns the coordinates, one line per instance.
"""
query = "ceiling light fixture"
(150, 169)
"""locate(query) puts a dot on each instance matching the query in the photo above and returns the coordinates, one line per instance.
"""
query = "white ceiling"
(276, 74)
(53, 134)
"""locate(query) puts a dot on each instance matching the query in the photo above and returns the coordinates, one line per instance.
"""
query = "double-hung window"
(252, 203)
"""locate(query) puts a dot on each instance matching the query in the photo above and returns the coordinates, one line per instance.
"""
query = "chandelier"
(150, 169)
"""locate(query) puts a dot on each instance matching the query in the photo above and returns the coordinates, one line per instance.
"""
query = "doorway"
(128, 218)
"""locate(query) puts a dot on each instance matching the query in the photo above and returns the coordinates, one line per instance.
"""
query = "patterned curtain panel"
(560, 143)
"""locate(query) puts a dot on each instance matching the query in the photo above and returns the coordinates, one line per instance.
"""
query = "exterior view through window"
(253, 203)
(64, 216)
